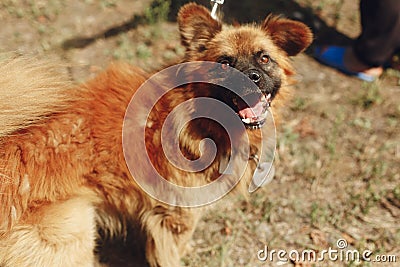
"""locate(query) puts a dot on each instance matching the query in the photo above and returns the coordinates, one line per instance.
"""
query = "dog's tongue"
(254, 107)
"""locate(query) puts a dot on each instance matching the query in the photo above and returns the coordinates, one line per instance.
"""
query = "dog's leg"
(58, 234)
(168, 233)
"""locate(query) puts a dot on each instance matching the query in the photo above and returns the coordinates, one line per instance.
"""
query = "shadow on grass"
(82, 42)
(234, 11)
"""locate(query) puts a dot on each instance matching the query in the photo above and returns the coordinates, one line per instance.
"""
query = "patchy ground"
(338, 157)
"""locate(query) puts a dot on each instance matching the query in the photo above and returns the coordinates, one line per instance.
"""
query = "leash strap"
(215, 7)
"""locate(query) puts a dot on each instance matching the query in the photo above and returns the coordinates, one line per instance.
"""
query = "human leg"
(380, 37)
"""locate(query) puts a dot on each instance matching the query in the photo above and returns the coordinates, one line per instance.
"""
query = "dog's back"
(53, 134)
(60, 155)
(30, 90)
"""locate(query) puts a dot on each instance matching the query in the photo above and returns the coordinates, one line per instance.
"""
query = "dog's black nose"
(254, 75)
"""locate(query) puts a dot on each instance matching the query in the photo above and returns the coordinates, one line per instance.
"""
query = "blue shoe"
(333, 56)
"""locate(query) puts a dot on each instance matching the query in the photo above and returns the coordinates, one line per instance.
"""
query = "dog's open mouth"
(252, 109)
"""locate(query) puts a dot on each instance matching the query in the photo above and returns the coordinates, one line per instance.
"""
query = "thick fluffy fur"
(62, 169)
(20, 105)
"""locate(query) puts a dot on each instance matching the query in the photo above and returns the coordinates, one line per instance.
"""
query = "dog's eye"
(225, 64)
(264, 59)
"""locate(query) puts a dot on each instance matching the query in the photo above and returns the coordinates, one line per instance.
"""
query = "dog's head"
(260, 52)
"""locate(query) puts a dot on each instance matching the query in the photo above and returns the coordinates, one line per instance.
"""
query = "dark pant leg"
(380, 37)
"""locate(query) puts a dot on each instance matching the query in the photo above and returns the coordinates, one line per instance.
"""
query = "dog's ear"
(290, 35)
(196, 26)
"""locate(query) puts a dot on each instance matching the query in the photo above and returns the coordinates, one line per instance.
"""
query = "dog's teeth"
(247, 120)
(269, 97)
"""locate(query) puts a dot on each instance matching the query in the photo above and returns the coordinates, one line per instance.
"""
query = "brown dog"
(63, 172)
